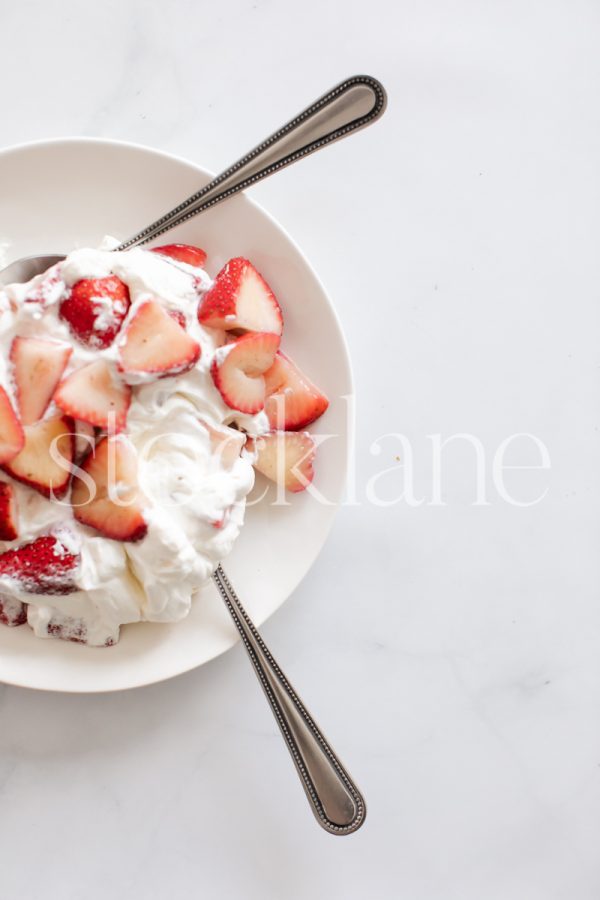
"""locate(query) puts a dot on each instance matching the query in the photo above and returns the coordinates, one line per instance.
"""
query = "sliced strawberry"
(95, 394)
(240, 299)
(37, 366)
(293, 401)
(8, 513)
(95, 309)
(45, 461)
(12, 611)
(48, 565)
(12, 437)
(185, 253)
(238, 368)
(286, 457)
(113, 504)
(155, 343)
(225, 442)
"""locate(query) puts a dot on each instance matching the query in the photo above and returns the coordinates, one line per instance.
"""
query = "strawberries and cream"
(136, 397)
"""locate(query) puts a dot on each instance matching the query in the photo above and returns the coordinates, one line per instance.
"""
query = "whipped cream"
(195, 501)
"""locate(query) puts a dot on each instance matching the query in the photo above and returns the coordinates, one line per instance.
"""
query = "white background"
(451, 653)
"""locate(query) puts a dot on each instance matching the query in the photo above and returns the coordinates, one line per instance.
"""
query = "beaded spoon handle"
(335, 800)
(353, 104)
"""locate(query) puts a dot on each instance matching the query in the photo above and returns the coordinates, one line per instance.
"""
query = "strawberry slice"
(185, 253)
(47, 565)
(293, 401)
(238, 368)
(95, 394)
(12, 437)
(12, 611)
(155, 343)
(113, 504)
(8, 512)
(240, 299)
(286, 457)
(37, 366)
(95, 309)
(225, 442)
(44, 463)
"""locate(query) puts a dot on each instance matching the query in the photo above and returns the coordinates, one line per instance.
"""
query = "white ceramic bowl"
(57, 195)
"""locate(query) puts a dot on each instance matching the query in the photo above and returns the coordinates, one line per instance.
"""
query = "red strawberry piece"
(225, 442)
(293, 401)
(286, 457)
(47, 565)
(155, 343)
(95, 309)
(12, 611)
(112, 503)
(240, 299)
(185, 253)
(95, 394)
(12, 437)
(238, 368)
(44, 463)
(37, 367)
(8, 512)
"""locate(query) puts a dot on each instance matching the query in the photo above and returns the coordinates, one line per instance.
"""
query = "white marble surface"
(451, 652)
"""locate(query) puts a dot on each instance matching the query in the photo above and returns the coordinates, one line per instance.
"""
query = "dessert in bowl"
(138, 396)
(49, 204)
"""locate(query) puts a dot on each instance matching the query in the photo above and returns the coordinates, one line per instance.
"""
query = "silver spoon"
(334, 798)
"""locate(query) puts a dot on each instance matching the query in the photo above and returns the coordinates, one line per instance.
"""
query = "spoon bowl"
(27, 267)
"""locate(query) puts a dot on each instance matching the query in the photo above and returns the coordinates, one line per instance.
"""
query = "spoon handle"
(351, 105)
(335, 800)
